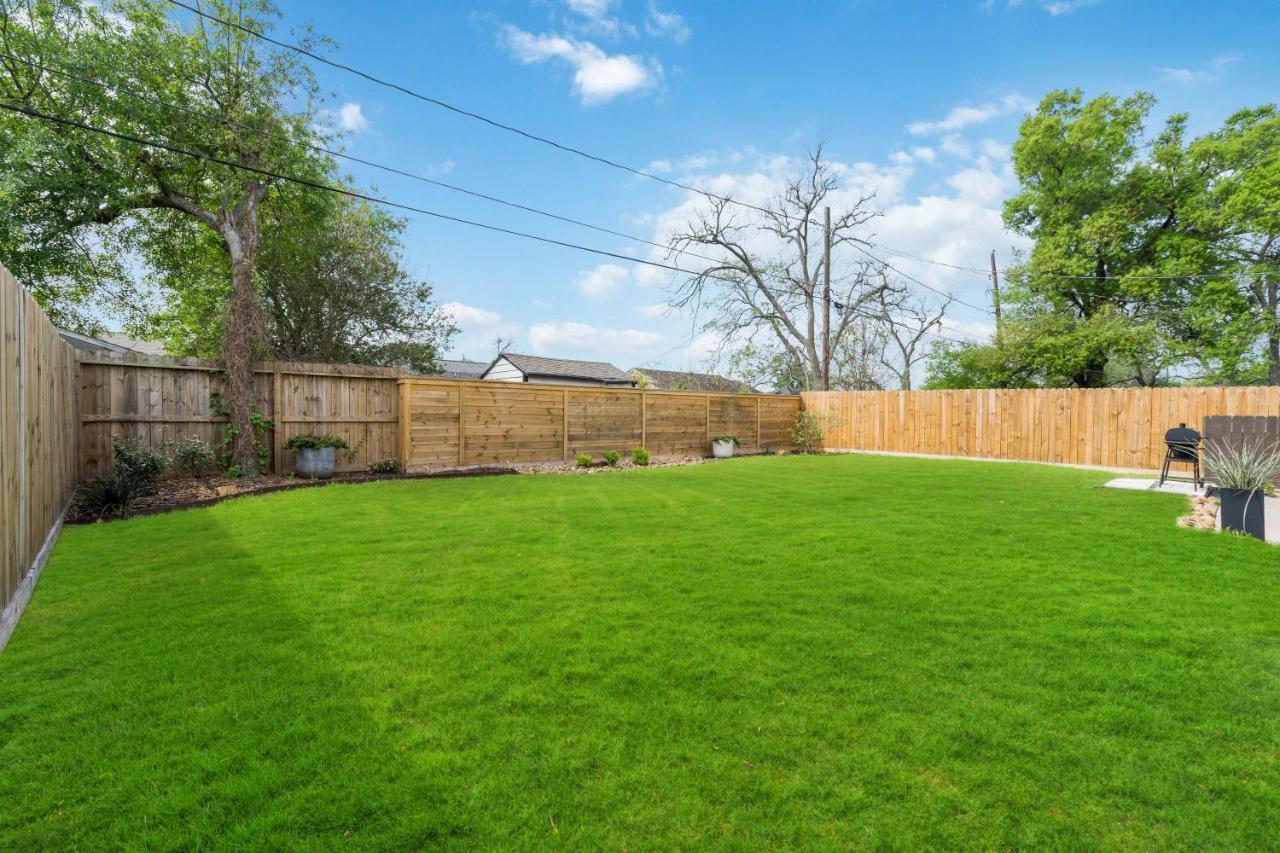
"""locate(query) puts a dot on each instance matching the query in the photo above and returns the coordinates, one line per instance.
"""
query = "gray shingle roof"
(462, 369)
(664, 380)
(534, 366)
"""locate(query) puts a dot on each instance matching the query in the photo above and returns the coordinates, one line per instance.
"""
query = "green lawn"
(764, 653)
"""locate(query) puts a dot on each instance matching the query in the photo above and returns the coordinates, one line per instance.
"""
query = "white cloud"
(659, 167)
(351, 117)
(953, 144)
(994, 149)
(467, 315)
(928, 155)
(981, 185)
(597, 17)
(1053, 7)
(598, 77)
(436, 170)
(963, 116)
(656, 311)
(1206, 73)
(566, 339)
(669, 24)
(478, 329)
(1066, 7)
(603, 282)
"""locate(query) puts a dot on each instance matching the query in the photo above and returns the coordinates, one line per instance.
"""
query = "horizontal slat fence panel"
(161, 400)
(1111, 428)
(451, 422)
(39, 436)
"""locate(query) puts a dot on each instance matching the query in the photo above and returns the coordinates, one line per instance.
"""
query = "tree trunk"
(1273, 353)
(241, 237)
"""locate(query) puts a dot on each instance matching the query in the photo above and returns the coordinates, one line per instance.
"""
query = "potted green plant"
(722, 446)
(316, 454)
(1242, 473)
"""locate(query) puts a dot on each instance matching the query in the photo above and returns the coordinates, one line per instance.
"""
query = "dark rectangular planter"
(1242, 511)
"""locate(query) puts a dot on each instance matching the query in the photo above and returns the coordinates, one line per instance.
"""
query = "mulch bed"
(173, 493)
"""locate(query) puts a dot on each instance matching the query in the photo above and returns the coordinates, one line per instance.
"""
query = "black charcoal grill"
(1183, 447)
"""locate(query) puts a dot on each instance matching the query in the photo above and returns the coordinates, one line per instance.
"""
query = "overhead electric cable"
(307, 182)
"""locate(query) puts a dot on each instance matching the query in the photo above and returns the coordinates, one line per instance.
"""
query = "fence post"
(564, 424)
(462, 443)
(758, 447)
(404, 393)
(277, 417)
(644, 419)
(706, 448)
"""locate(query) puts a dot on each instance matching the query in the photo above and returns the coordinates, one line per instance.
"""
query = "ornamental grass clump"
(1245, 466)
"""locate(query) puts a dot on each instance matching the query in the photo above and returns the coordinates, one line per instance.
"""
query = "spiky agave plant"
(1245, 466)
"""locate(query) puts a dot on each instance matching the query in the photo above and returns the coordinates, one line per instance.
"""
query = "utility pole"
(995, 298)
(826, 300)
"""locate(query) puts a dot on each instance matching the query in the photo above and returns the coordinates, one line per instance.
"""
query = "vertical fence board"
(1113, 427)
(39, 439)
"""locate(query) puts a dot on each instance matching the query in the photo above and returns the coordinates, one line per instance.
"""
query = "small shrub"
(133, 459)
(639, 456)
(192, 457)
(730, 438)
(384, 466)
(582, 460)
(806, 432)
(611, 458)
(314, 442)
(113, 493)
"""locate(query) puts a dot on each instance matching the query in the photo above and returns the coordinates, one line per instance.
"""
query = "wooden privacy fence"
(38, 442)
(451, 422)
(159, 400)
(1114, 428)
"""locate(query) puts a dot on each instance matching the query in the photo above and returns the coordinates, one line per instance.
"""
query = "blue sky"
(916, 101)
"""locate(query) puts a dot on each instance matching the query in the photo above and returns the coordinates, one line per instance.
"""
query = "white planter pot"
(722, 449)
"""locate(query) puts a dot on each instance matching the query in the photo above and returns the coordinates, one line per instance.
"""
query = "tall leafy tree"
(331, 279)
(77, 190)
(1242, 206)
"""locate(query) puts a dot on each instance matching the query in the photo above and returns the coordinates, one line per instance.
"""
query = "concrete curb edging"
(18, 603)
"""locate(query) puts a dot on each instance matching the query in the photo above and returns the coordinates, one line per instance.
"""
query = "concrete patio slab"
(1142, 484)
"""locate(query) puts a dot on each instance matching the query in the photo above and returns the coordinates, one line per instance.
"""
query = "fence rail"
(160, 399)
(459, 422)
(39, 435)
(1111, 428)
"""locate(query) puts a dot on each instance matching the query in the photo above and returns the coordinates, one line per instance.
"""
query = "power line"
(340, 154)
(299, 49)
(268, 173)
(437, 102)
(398, 171)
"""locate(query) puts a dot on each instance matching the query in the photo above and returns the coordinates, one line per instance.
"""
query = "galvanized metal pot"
(315, 462)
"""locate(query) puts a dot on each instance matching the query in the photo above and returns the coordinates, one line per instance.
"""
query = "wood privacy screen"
(38, 433)
(163, 399)
(1115, 428)
(451, 422)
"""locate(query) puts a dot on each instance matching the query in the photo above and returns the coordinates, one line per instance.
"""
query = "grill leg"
(1164, 472)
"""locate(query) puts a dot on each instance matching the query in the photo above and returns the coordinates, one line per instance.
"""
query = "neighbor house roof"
(534, 366)
(667, 379)
(112, 342)
(462, 369)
